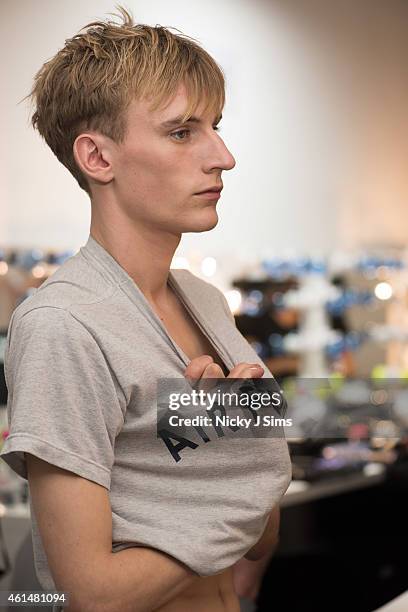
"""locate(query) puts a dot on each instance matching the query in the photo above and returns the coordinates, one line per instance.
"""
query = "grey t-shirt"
(83, 358)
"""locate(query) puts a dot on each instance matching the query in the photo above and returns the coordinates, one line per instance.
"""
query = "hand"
(269, 539)
(248, 571)
(204, 367)
(247, 577)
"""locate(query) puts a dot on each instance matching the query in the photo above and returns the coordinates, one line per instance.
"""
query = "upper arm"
(64, 404)
(75, 523)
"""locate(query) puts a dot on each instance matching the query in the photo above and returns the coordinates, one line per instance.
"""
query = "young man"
(123, 518)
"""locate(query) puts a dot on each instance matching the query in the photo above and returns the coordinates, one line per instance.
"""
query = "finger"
(213, 370)
(246, 370)
(196, 367)
(210, 375)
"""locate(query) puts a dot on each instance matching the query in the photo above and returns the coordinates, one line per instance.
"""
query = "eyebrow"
(179, 120)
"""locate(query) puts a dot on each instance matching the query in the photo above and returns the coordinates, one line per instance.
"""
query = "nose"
(218, 156)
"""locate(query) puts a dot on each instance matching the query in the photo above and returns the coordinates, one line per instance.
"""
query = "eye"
(180, 132)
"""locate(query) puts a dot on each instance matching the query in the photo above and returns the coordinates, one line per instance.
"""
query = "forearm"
(137, 580)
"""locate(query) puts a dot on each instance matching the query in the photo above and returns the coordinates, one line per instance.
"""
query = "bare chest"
(188, 336)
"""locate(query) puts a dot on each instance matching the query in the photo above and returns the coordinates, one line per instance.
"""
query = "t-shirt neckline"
(118, 275)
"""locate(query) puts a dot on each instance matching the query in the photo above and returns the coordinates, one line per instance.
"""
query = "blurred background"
(311, 252)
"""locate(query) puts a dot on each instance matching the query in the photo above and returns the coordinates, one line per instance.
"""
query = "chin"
(205, 221)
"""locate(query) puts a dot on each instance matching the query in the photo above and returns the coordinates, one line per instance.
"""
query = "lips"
(211, 190)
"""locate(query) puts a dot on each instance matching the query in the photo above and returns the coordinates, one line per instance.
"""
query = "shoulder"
(74, 283)
(47, 314)
(45, 333)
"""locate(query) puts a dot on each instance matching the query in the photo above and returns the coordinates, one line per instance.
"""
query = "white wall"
(361, 48)
(316, 117)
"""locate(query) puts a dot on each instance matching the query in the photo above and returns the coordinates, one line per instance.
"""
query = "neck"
(144, 252)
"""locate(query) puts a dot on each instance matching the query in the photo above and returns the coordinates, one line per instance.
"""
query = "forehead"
(140, 110)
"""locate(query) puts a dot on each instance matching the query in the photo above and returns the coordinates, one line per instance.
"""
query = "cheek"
(148, 168)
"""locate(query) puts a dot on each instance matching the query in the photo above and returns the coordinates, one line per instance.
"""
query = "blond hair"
(90, 82)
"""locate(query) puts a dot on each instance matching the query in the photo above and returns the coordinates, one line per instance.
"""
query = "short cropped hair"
(91, 81)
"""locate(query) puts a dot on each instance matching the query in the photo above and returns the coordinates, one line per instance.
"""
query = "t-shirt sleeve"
(64, 403)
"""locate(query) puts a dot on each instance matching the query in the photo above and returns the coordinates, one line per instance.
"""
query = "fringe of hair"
(91, 81)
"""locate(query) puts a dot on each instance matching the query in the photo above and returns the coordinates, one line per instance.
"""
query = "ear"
(93, 157)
